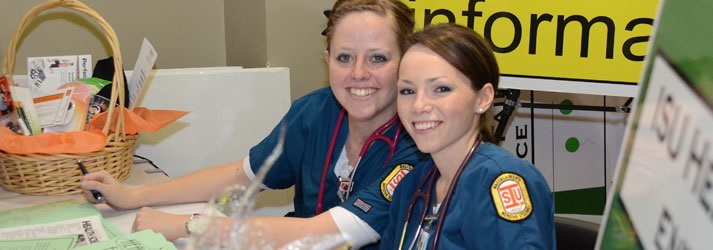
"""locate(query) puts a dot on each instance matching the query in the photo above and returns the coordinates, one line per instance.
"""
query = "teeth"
(362, 92)
(425, 125)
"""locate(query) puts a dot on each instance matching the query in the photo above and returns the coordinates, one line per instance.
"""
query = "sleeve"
(352, 228)
(299, 121)
(372, 203)
(247, 169)
(518, 232)
(281, 174)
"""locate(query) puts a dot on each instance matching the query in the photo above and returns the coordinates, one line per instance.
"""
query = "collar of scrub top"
(379, 134)
(432, 176)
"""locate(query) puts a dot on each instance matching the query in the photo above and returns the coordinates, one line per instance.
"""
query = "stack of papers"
(69, 224)
(81, 231)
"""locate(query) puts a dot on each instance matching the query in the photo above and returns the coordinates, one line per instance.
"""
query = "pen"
(97, 195)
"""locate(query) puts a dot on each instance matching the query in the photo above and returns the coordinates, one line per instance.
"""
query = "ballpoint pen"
(97, 195)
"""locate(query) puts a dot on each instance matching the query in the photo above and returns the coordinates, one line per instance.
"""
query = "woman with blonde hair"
(329, 155)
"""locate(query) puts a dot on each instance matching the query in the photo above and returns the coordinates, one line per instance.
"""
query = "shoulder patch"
(388, 184)
(510, 197)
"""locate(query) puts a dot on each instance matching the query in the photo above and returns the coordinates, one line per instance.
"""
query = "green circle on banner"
(566, 102)
(572, 144)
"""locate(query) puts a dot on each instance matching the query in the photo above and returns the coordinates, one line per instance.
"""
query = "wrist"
(191, 224)
(139, 197)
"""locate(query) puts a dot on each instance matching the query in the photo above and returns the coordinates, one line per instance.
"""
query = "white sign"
(668, 187)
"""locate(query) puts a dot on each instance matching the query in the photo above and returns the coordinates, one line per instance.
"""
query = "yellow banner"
(600, 41)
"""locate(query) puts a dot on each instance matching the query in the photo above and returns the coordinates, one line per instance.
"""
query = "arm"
(284, 230)
(482, 211)
(350, 229)
(278, 232)
(194, 187)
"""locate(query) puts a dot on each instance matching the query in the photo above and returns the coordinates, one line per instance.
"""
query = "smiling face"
(363, 61)
(437, 103)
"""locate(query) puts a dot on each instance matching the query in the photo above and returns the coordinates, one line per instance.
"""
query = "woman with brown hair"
(472, 194)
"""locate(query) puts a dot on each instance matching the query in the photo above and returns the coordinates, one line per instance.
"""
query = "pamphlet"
(54, 212)
(87, 230)
(52, 108)
(5, 98)
(69, 224)
(97, 105)
(144, 64)
(45, 74)
(8, 116)
(54, 243)
(25, 109)
(142, 240)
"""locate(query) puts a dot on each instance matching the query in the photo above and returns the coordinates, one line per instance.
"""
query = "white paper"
(666, 189)
(26, 105)
(144, 64)
(52, 108)
(47, 73)
(88, 230)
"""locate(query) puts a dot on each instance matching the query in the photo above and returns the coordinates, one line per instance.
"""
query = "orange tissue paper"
(93, 139)
(139, 119)
(52, 143)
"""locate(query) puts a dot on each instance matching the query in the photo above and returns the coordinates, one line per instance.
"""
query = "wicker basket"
(56, 174)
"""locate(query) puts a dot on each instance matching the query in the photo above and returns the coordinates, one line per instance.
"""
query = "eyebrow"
(429, 80)
(435, 79)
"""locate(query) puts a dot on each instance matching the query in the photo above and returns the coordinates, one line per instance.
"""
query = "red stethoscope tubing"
(432, 175)
(378, 134)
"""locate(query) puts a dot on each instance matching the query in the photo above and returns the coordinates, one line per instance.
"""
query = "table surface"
(141, 174)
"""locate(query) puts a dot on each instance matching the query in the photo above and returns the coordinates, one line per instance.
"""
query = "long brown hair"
(469, 53)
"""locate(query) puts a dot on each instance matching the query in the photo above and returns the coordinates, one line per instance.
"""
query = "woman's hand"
(115, 194)
(172, 226)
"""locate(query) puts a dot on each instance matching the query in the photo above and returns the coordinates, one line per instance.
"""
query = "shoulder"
(493, 166)
(314, 107)
(494, 159)
(514, 185)
(316, 98)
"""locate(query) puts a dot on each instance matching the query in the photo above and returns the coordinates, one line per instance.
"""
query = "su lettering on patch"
(389, 183)
(510, 197)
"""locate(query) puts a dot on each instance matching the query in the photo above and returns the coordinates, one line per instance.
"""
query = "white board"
(231, 109)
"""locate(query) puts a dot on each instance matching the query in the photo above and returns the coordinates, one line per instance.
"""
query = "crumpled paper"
(137, 120)
(50, 143)
(93, 139)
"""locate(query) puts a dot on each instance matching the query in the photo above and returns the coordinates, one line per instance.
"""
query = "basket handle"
(117, 89)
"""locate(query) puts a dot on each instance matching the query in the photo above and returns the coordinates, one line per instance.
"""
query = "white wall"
(294, 40)
(227, 114)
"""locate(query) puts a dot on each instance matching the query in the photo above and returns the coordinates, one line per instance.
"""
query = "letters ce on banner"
(597, 41)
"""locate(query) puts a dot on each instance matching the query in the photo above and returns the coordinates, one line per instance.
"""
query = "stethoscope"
(431, 177)
(377, 135)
